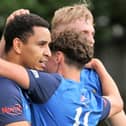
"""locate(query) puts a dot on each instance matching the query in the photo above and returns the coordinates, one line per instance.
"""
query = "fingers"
(89, 65)
(20, 12)
(92, 63)
(17, 13)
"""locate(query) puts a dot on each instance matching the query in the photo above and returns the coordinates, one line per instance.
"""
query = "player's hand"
(16, 13)
(93, 64)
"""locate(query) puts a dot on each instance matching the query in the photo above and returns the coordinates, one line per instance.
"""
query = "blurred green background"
(110, 26)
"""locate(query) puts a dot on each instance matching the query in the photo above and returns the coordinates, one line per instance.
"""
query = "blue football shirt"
(64, 102)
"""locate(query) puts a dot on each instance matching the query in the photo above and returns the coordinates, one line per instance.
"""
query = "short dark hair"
(22, 27)
(75, 48)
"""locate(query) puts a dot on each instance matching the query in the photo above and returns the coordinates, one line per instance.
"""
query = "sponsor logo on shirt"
(82, 98)
(35, 73)
(85, 101)
(12, 110)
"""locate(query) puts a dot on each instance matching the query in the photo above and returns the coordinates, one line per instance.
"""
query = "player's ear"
(17, 45)
(59, 57)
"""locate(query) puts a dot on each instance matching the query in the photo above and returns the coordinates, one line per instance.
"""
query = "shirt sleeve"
(11, 108)
(42, 85)
(106, 108)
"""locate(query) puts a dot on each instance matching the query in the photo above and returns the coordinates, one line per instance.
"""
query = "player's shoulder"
(92, 80)
(87, 72)
(11, 107)
(5, 82)
(9, 87)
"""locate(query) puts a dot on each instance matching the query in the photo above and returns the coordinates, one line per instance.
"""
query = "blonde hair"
(69, 14)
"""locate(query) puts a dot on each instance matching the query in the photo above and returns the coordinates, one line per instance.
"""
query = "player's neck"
(11, 57)
(70, 72)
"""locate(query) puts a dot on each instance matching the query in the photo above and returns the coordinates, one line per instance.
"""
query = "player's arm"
(39, 88)
(22, 123)
(110, 90)
(118, 119)
(42, 85)
(2, 45)
(14, 72)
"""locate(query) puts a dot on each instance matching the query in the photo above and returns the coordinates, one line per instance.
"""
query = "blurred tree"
(109, 14)
(44, 8)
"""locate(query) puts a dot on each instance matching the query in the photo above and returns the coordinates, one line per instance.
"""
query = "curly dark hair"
(74, 46)
(22, 27)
